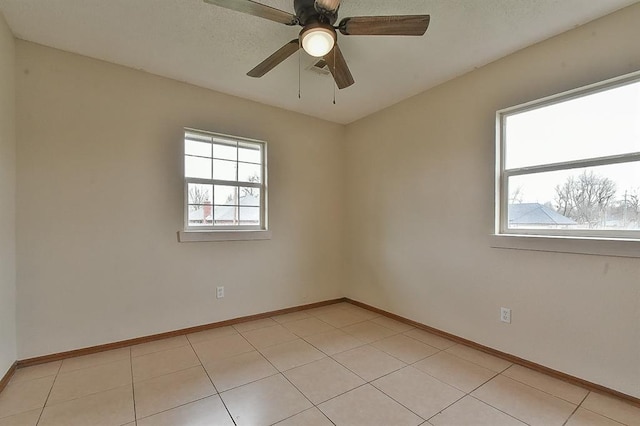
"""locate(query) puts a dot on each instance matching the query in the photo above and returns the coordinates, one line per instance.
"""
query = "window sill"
(203, 236)
(576, 245)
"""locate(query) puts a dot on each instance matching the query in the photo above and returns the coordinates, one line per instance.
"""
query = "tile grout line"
(77, 397)
(133, 388)
(304, 319)
(545, 392)
(404, 333)
(49, 394)
(211, 380)
(463, 391)
(595, 412)
(408, 365)
(473, 362)
(281, 373)
(339, 395)
(366, 382)
(488, 404)
(412, 364)
(501, 373)
(233, 356)
(498, 409)
(155, 377)
(605, 416)
(296, 366)
(370, 383)
(591, 411)
(330, 355)
(87, 395)
(160, 350)
(312, 407)
(326, 356)
(321, 359)
(576, 409)
(173, 408)
(113, 361)
(529, 386)
(393, 399)
(548, 372)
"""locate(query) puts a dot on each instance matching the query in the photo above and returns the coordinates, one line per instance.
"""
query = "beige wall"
(100, 198)
(7, 200)
(420, 205)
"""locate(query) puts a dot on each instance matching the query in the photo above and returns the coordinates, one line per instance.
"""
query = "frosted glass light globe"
(318, 41)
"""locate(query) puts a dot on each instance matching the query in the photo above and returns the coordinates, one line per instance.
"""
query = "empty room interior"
(412, 213)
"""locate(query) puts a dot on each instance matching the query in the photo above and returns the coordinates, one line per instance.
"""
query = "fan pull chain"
(334, 73)
(299, 67)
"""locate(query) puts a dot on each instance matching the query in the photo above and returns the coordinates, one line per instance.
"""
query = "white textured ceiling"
(212, 47)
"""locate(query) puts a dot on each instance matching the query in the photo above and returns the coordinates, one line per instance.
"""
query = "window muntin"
(569, 165)
(224, 182)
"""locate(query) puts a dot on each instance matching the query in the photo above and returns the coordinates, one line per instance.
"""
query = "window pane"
(225, 215)
(249, 172)
(595, 125)
(226, 195)
(250, 152)
(199, 215)
(226, 151)
(249, 215)
(201, 149)
(603, 197)
(197, 167)
(224, 170)
(249, 196)
(200, 194)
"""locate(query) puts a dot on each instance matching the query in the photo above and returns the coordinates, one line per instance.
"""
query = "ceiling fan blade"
(272, 61)
(408, 25)
(257, 9)
(338, 67)
(328, 5)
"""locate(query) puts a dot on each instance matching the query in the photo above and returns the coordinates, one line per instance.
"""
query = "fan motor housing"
(307, 13)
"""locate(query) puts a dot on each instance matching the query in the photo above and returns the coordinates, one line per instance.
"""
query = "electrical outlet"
(220, 292)
(505, 315)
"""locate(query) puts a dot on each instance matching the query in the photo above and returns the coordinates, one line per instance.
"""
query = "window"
(569, 165)
(225, 182)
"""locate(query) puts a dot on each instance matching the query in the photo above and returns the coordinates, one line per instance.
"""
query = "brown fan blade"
(272, 61)
(338, 67)
(257, 9)
(407, 25)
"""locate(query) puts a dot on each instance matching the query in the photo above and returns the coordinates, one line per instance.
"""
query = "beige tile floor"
(338, 364)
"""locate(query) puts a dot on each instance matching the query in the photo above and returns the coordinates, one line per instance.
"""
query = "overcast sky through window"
(597, 125)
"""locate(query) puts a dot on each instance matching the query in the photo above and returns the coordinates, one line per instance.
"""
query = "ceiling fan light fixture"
(318, 40)
(331, 5)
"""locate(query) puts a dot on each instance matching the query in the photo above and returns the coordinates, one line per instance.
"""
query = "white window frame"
(226, 232)
(503, 174)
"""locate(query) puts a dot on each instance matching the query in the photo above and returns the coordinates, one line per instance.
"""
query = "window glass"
(224, 182)
(249, 153)
(197, 167)
(570, 164)
(225, 151)
(200, 149)
(225, 170)
(595, 125)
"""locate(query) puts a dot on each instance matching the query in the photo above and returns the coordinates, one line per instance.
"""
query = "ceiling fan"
(318, 36)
